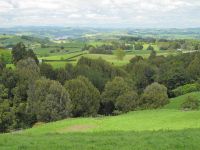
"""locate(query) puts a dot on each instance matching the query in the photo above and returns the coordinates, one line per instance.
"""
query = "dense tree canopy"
(154, 96)
(48, 101)
(84, 96)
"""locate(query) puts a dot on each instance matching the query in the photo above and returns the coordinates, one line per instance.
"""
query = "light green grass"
(175, 103)
(167, 128)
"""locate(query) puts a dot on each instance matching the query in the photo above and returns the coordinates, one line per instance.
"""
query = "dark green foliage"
(152, 55)
(3, 93)
(47, 71)
(8, 78)
(136, 59)
(48, 101)
(63, 74)
(32, 55)
(84, 96)
(142, 74)
(191, 103)
(27, 69)
(6, 116)
(154, 96)
(172, 73)
(193, 69)
(20, 52)
(127, 102)
(138, 46)
(150, 48)
(98, 71)
(2, 64)
(113, 89)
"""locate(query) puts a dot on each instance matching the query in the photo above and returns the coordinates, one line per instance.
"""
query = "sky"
(101, 13)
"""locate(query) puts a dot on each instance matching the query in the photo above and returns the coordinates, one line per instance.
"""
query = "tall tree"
(84, 96)
(48, 101)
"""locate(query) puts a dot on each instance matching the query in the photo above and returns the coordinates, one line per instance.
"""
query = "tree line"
(34, 92)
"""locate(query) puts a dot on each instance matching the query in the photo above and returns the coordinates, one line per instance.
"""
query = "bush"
(127, 102)
(84, 96)
(188, 88)
(113, 89)
(154, 96)
(191, 103)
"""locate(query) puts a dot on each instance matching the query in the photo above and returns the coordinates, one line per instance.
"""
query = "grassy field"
(167, 128)
(110, 58)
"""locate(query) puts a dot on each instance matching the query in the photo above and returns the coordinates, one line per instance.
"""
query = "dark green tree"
(154, 96)
(113, 89)
(127, 101)
(84, 96)
(48, 101)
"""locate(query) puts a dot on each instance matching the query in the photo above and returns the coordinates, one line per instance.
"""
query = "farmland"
(117, 92)
(167, 128)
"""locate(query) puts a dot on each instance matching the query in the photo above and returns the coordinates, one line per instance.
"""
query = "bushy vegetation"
(84, 96)
(34, 92)
(190, 103)
(154, 96)
(188, 88)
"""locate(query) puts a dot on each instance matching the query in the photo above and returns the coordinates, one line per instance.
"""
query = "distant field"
(167, 128)
(110, 58)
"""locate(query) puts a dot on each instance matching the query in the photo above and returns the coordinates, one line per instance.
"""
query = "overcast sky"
(101, 13)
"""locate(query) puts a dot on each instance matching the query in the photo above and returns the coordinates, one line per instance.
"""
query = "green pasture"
(166, 128)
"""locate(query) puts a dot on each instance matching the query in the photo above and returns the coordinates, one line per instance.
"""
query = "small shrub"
(191, 103)
(188, 88)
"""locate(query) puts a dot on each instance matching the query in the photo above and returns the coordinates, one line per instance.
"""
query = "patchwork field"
(167, 128)
(59, 60)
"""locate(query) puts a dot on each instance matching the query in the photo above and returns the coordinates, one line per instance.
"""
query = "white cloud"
(135, 13)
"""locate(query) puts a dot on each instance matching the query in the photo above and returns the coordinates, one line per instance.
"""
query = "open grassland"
(167, 128)
(110, 58)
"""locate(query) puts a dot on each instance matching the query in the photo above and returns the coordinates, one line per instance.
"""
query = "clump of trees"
(138, 46)
(48, 101)
(20, 52)
(113, 95)
(107, 48)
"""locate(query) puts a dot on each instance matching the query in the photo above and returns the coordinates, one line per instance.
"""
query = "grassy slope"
(176, 102)
(168, 128)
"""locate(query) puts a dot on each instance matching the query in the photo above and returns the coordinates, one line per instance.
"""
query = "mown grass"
(166, 128)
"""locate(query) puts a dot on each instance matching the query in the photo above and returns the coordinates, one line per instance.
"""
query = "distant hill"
(77, 32)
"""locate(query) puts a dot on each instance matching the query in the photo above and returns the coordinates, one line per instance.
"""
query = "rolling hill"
(166, 128)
